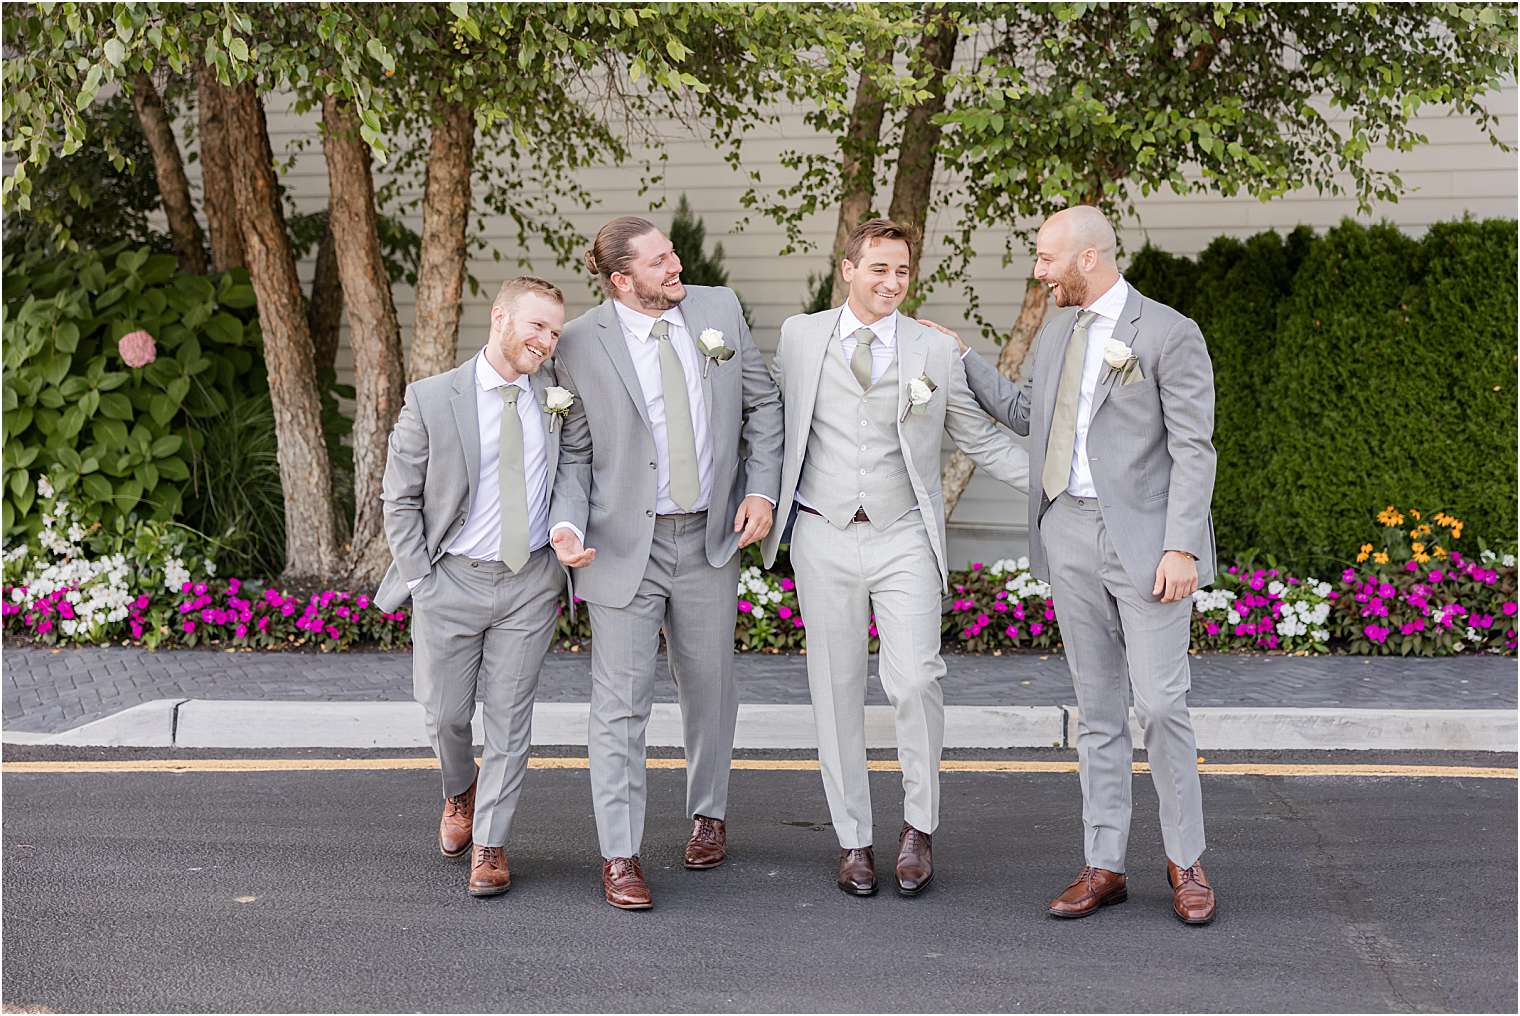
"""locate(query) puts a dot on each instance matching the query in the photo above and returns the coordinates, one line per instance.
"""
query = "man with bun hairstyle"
(670, 459)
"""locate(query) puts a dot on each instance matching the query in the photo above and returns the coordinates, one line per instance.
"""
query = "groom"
(869, 396)
(670, 461)
(466, 497)
(1119, 406)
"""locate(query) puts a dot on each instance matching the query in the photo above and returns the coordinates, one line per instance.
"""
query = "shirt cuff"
(412, 585)
(570, 526)
(755, 493)
(965, 351)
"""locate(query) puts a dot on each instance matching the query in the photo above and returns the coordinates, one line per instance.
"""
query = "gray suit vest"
(854, 457)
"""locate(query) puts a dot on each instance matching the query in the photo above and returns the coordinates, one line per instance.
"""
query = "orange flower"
(1414, 512)
(1439, 551)
(1380, 558)
(1418, 548)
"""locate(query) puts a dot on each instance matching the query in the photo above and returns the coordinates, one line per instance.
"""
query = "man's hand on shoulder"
(941, 328)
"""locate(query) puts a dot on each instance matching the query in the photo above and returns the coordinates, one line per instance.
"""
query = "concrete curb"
(207, 723)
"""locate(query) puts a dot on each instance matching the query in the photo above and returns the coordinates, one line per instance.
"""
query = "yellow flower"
(1361, 557)
(1417, 547)
(1424, 530)
(1380, 558)
(1414, 512)
(1456, 531)
(1439, 551)
(1422, 558)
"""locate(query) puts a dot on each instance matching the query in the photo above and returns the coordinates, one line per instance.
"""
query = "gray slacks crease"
(1120, 644)
(477, 625)
(695, 605)
(842, 577)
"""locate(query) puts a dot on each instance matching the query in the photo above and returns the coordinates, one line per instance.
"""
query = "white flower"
(710, 342)
(44, 486)
(557, 399)
(1116, 354)
(758, 613)
(919, 392)
(1320, 635)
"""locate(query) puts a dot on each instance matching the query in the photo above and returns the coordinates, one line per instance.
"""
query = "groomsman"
(869, 395)
(466, 497)
(670, 460)
(1119, 404)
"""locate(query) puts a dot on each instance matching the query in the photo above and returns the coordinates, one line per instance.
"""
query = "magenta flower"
(783, 612)
(796, 622)
(362, 602)
(1412, 566)
(188, 627)
(263, 624)
(1000, 607)
(788, 585)
(1211, 628)
(137, 349)
(1510, 608)
(745, 606)
(44, 626)
(873, 629)
(1376, 633)
(981, 620)
(1036, 628)
(242, 631)
(1012, 631)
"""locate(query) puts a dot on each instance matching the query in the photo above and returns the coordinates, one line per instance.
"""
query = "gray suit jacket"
(1149, 442)
(798, 366)
(432, 470)
(606, 482)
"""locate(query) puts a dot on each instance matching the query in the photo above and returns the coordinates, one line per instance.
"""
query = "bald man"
(1119, 408)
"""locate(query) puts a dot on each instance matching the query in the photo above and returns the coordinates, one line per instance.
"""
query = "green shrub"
(115, 438)
(1353, 369)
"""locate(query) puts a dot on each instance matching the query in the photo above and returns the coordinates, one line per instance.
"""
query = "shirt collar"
(489, 380)
(1111, 304)
(639, 325)
(885, 329)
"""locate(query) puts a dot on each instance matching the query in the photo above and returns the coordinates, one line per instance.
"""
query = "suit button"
(653, 466)
(649, 514)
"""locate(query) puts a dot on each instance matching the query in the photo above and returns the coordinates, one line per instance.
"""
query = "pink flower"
(1012, 631)
(981, 620)
(788, 585)
(1050, 615)
(1412, 566)
(783, 612)
(745, 606)
(1036, 628)
(796, 622)
(141, 603)
(44, 627)
(1211, 628)
(977, 566)
(1436, 576)
(1510, 608)
(1376, 633)
(242, 631)
(362, 602)
(136, 630)
(137, 349)
(1000, 607)
(873, 629)
(188, 627)
(263, 624)
(332, 632)
(66, 610)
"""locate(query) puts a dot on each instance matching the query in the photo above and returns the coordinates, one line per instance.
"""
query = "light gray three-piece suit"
(1138, 486)
(475, 622)
(660, 566)
(866, 449)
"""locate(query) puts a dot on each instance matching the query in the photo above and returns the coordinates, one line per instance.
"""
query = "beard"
(1073, 288)
(655, 297)
(514, 351)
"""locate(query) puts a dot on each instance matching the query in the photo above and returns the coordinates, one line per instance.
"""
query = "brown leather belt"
(860, 513)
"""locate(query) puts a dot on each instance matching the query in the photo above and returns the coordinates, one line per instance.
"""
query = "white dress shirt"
(481, 536)
(1107, 307)
(645, 351)
(881, 349)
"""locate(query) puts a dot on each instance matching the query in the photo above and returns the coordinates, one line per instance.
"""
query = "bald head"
(1075, 255)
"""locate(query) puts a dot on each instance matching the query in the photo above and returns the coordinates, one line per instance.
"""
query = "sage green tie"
(860, 360)
(680, 435)
(512, 483)
(1063, 424)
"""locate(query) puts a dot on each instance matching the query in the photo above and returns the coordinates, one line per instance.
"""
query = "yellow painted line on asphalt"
(301, 765)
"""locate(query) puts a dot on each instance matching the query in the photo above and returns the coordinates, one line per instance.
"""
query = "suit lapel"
(1125, 331)
(610, 332)
(1051, 369)
(467, 419)
(912, 356)
(692, 314)
(541, 384)
(810, 374)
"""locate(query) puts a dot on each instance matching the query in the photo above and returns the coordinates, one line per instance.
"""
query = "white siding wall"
(1458, 172)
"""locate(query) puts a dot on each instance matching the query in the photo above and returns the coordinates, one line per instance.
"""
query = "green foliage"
(820, 290)
(241, 504)
(698, 268)
(115, 438)
(101, 203)
(1351, 370)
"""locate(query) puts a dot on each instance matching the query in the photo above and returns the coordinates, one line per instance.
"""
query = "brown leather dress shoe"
(623, 882)
(454, 828)
(488, 872)
(707, 847)
(1093, 888)
(915, 861)
(1192, 897)
(857, 871)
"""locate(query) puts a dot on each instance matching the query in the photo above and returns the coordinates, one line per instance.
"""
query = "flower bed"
(1414, 594)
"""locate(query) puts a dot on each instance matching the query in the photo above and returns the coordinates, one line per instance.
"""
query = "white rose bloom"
(1116, 354)
(919, 393)
(556, 398)
(710, 341)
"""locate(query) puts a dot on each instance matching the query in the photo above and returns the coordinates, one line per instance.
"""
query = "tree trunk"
(914, 183)
(1010, 362)
(372, 327)
(857, 168)
(324, 311)
(311, 536)
(445, 217)
(173, 187)
(218, 200)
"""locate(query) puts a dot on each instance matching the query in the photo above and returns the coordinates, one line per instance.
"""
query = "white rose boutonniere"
(920, 390)
(557, 403)
(1121, 360)
(711, 345)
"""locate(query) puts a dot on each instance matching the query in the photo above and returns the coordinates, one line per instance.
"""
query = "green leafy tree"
(688, 236)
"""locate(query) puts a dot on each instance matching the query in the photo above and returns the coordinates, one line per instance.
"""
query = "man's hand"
(941, 328)
(567, 547)
(1176, 576)
(753, 519)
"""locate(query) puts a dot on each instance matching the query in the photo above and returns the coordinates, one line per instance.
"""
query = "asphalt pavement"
(321, 890)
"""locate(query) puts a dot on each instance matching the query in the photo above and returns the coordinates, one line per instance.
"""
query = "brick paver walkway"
(51, 690)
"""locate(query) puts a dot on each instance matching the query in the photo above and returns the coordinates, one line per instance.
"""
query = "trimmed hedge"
(1352, 370)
